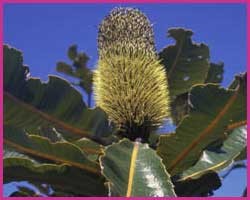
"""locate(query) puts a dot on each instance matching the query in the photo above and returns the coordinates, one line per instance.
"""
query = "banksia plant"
(130, 84)
(53, 141)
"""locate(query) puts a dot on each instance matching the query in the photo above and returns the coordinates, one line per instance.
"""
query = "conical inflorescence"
(130, 84)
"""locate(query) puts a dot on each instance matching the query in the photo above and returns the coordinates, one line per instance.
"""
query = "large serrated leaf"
(180, 105)
(71, 180)
(133, 169)
(213, 109)
(41, 148)
(61, 177)
(186, 62)
(30, 104)
(216, 161)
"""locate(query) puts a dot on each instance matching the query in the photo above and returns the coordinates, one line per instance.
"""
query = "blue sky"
(44, 32)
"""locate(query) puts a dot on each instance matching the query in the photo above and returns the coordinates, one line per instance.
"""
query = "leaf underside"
(211, 160)
(208, 119)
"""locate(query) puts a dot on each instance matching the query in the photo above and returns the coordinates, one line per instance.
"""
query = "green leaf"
(133, 169)
(78, 70)
(215, 73)
(81, 60)
(51, 133)
(86, 79)
(91, 148)
(23, 191)
(240, 79)
(12, 158)
(64, 68)
(201, 187)
(186, 62)
(153, 140)
(63, 165)
(179, 105)
(71, 180)
(43, 189)
(179, 108)
(212, 110)
(72, 52)
(242, 155)
(28, 191)
(210, 160)
(40, 147)
(30, 104)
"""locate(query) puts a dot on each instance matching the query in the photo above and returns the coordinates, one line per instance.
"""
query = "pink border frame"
(247, 2)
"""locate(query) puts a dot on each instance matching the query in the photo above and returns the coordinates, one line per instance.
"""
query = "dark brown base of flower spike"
(134, 131)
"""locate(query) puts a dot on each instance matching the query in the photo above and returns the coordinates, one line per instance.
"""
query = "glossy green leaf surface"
(61, 176)
(42, 148)
(212, 110)
(232, 147)
(186, 62)
(71, 180)
(133, 169)
(179, 105)
(62, 165)
(31, 104)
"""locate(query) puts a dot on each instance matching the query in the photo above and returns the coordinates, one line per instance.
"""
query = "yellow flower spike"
(130, 84)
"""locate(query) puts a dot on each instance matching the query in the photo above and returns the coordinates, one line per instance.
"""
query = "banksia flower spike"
(125, 26)
(130, 84)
